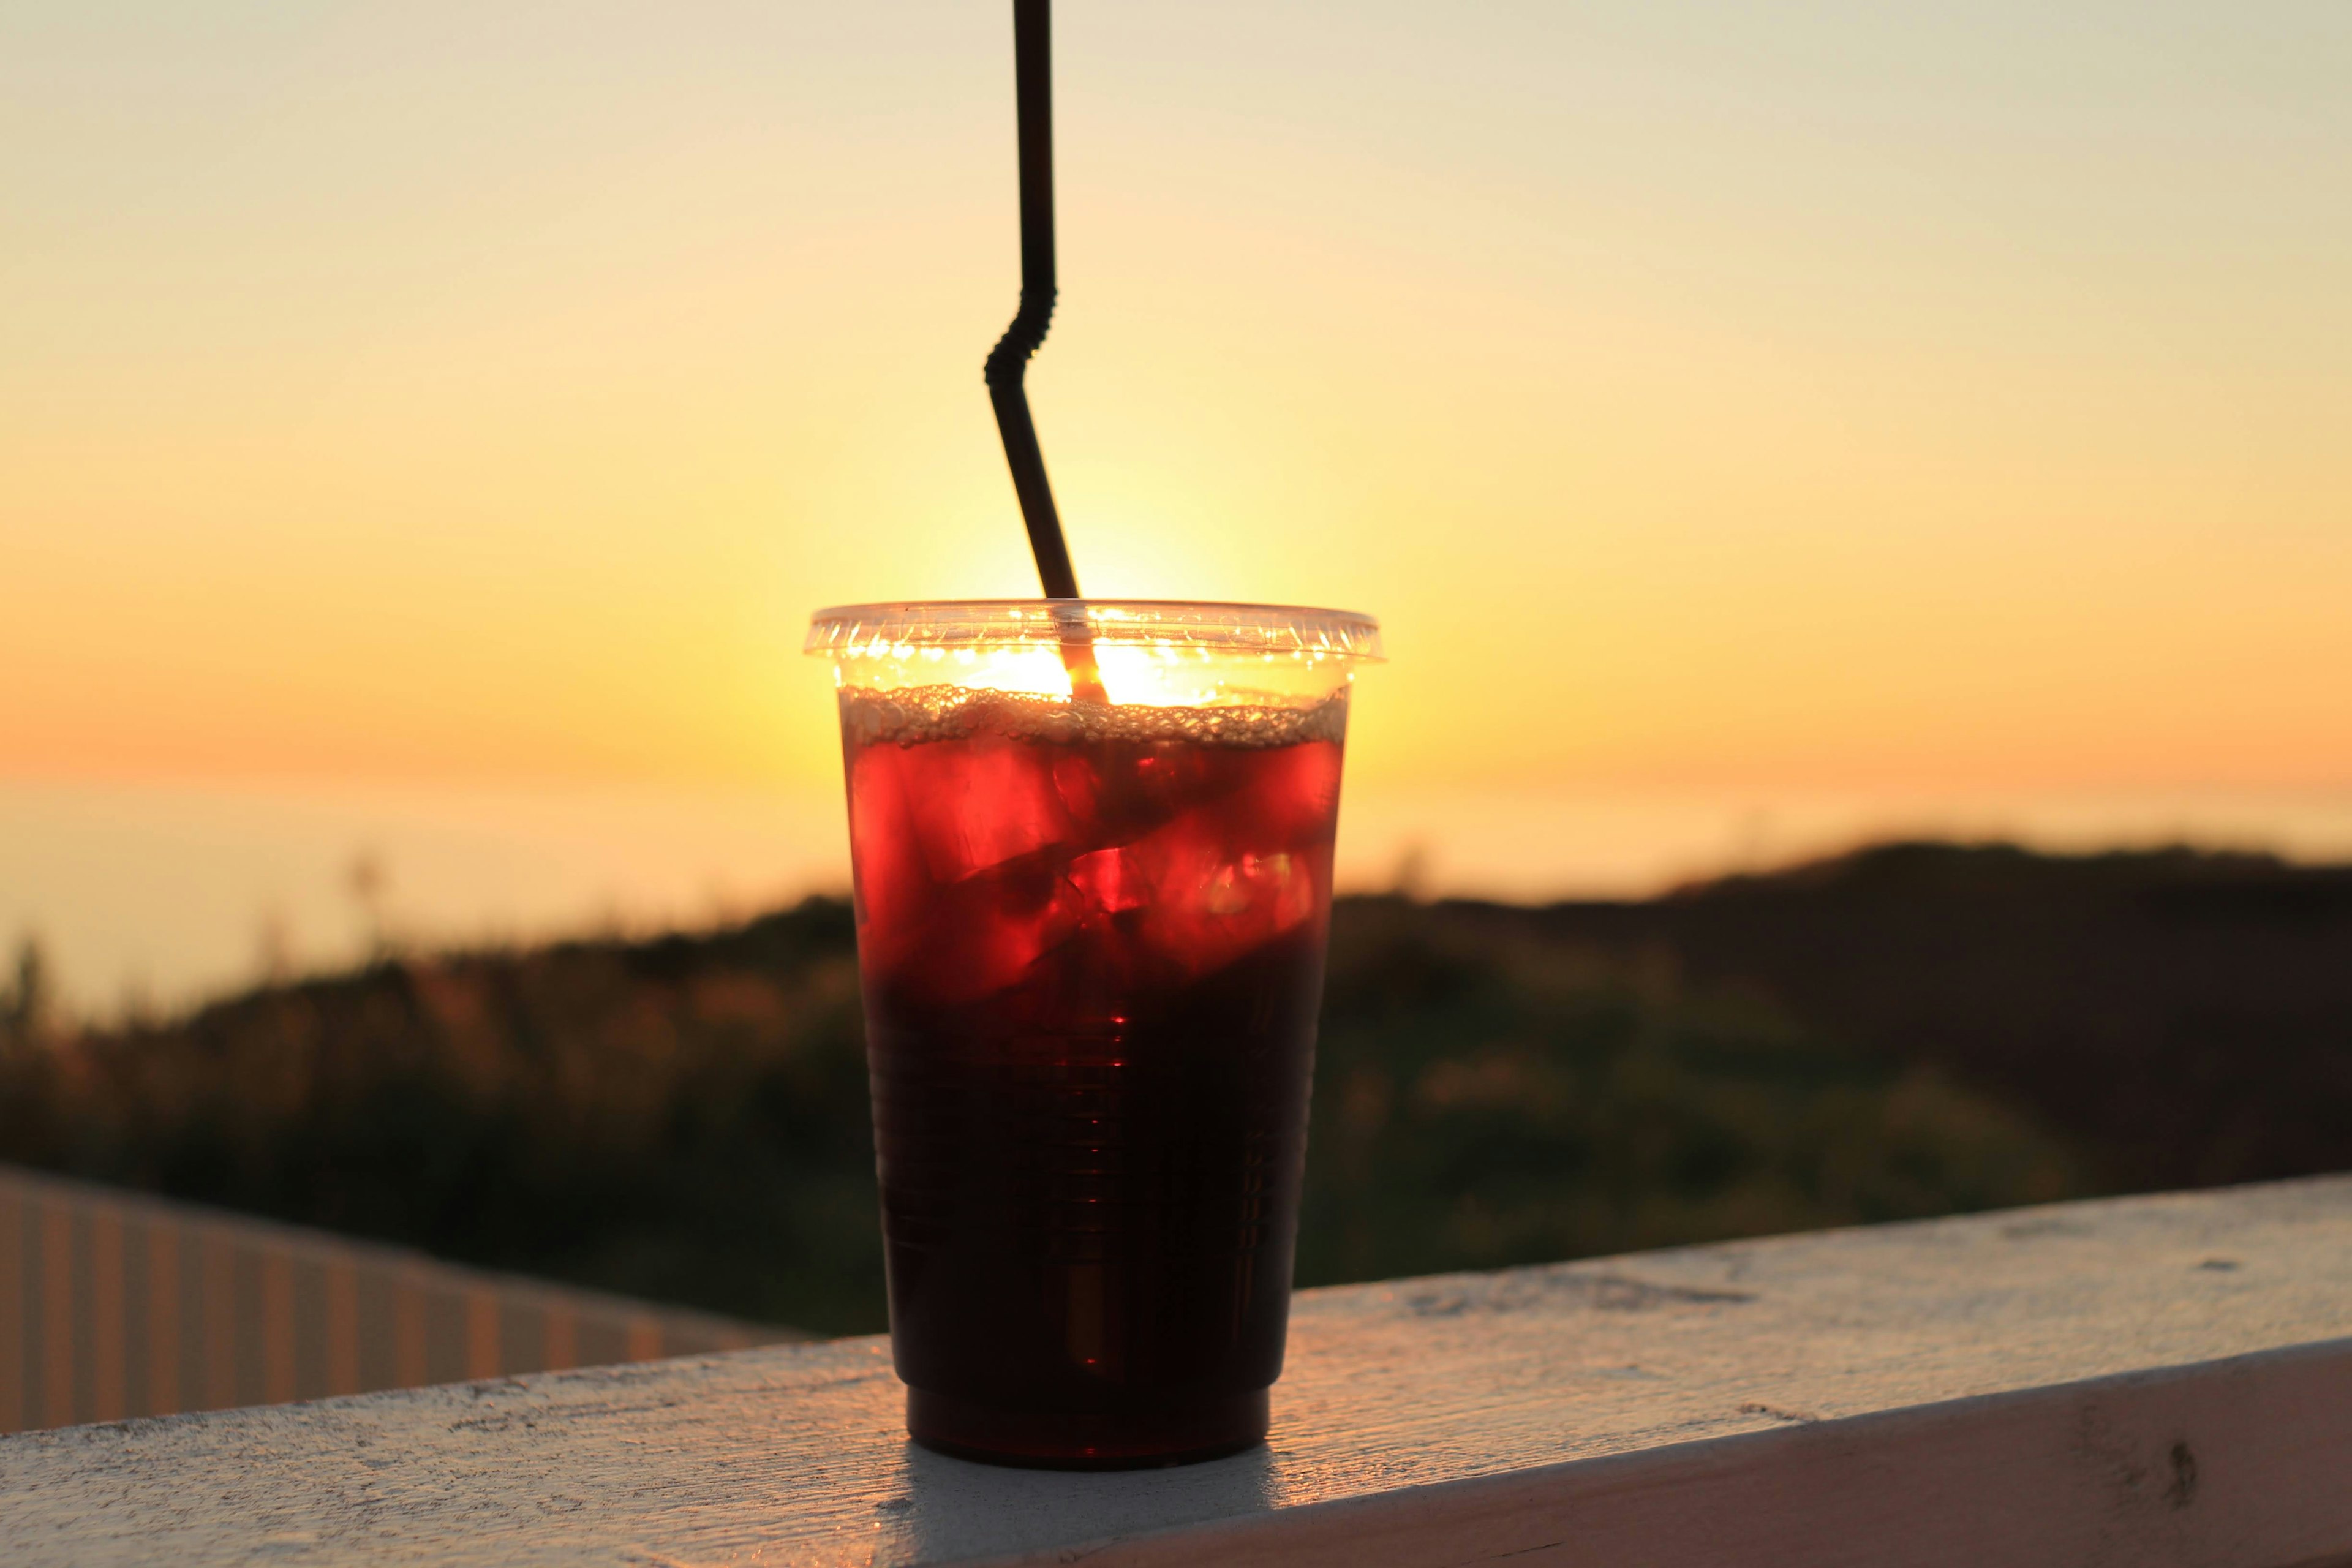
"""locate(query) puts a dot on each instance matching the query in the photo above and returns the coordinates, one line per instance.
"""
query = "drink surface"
(1092, 947)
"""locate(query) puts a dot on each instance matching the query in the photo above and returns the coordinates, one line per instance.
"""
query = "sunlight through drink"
(1091, 935)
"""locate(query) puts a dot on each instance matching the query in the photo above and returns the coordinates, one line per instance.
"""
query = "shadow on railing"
(114, 1304)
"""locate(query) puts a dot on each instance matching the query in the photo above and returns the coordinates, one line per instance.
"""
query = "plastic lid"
(849, 631)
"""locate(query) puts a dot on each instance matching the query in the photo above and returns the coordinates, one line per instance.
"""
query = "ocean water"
(151, 896)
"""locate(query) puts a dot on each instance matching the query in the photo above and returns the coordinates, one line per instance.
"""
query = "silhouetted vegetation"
(1906, 1031)
(2181, 1018)
(1486, 1094)
(25, 1003)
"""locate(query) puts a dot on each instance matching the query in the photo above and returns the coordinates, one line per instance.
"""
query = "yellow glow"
(1860, 400)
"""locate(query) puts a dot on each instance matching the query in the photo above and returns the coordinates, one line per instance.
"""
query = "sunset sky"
(1841, 396)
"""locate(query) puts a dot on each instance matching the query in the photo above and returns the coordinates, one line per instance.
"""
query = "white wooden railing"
(2148, 1381)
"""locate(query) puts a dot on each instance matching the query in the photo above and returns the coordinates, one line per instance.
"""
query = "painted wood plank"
(2163, 1380)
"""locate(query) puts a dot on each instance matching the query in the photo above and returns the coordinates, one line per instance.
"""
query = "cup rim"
(885, 630)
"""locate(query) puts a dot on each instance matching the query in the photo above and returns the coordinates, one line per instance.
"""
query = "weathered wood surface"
(2160, 1380)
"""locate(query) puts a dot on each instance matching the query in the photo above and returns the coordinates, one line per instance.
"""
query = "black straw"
(1033, 62)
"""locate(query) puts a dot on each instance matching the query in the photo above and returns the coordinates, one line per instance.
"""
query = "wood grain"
(2150, 1380)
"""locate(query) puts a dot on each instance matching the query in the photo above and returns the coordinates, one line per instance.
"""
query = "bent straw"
(1008, 362)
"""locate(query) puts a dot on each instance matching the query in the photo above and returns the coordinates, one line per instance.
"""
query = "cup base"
(1093, 1440)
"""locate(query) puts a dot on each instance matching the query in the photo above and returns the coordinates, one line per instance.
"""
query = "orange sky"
(1859, 400)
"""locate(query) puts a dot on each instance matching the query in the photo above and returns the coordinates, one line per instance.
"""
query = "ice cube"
(982, 802)
(1208, 900)
(1290, 801)
(981, 935)
(1118, 790)
(1105, 884)
(891, 885)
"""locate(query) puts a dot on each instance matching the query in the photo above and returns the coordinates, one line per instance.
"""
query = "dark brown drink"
(1092, 945)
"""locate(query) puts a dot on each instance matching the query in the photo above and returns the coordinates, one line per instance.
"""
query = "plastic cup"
(1091, 935)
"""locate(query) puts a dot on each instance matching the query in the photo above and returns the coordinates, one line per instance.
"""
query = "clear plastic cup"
(1091, 930)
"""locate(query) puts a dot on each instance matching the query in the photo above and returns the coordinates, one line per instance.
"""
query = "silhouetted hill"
(2184, 1018)
(1907, 1030)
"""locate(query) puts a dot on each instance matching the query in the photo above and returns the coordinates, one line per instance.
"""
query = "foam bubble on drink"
(912, 715)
